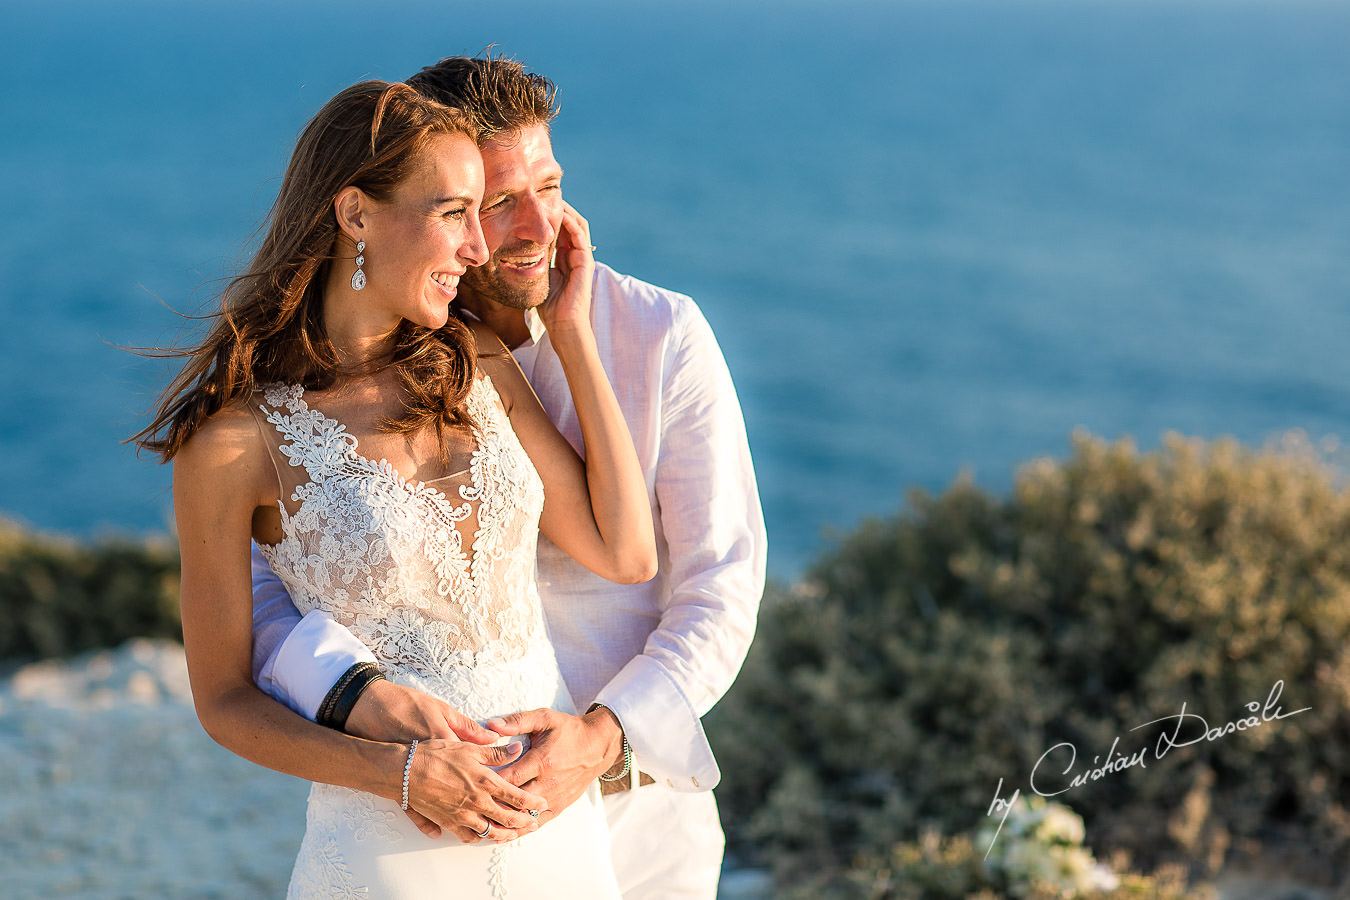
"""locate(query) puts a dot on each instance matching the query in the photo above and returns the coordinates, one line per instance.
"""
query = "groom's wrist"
(371, 717)
(609, 733)
(608, 730)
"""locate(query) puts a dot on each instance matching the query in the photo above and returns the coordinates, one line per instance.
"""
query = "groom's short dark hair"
(496, 92)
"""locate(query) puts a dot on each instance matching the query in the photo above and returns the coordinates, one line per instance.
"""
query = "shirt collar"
(535, 323)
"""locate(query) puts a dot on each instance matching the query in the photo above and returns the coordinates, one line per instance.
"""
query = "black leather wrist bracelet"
(325, 714)
(341, 700)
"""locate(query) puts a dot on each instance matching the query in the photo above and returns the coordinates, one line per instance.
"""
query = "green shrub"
(934, 868)
(61, 596)
(933, 654)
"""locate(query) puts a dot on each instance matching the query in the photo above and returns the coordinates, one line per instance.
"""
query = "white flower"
(1042, 844)
(1102, 879)
(1061, 824)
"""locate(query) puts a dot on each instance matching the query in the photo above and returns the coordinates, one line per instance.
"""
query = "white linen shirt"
(658, 654)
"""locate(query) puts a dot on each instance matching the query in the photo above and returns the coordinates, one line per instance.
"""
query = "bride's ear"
(352, 208)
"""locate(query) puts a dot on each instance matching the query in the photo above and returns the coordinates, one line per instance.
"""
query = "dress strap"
(268, 438)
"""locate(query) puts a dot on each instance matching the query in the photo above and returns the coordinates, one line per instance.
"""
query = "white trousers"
(665, 844)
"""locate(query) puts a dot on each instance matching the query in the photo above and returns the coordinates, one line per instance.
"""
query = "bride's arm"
(217, 476)
(596, 510)
(222, 476)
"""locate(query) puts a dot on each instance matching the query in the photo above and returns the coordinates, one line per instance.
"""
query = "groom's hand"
(566, 753)
(392, 712)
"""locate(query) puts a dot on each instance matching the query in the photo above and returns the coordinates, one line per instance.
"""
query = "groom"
(645, 660)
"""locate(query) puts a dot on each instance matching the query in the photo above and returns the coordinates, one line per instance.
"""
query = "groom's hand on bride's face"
(392, 712)
(567, 753)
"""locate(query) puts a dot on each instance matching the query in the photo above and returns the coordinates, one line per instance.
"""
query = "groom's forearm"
(311, 662)
(309, 676)
(296, 661)
(316, 666)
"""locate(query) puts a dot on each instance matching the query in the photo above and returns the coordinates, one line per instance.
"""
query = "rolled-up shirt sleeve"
(709, 509)
(296, 659)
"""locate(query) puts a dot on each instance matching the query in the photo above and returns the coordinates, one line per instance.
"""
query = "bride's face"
(425, 235)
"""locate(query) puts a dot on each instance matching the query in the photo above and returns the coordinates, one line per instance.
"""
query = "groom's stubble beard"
(489, 283)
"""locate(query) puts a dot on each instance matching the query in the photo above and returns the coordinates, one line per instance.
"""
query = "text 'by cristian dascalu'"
(1054, 772)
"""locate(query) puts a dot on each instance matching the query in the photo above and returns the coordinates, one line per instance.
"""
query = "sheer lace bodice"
(439, 585)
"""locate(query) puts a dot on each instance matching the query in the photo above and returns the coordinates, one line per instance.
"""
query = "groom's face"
(522, 211)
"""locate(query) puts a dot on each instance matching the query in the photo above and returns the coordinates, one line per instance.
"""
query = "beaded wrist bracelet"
(627, 750)
(407, 770)
(627, 764)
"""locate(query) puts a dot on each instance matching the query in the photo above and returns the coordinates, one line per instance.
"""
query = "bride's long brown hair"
(270, 328)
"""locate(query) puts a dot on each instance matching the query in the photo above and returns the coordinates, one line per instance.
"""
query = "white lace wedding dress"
(392, 560)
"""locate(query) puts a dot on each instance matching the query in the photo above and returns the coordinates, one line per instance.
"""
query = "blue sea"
(932, 237)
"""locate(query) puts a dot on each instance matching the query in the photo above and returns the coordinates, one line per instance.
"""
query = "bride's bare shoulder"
(228, 444)
(485, 339)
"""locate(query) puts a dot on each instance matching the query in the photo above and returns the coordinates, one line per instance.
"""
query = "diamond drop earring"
(359, 277)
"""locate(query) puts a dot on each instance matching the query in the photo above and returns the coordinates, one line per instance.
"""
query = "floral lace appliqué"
(387, 558)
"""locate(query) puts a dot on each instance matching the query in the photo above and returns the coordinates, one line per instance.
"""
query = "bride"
(396, 468)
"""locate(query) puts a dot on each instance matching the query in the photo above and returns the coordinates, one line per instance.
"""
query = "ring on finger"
(533, 812)
(484, 833)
